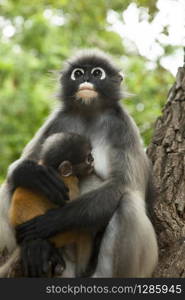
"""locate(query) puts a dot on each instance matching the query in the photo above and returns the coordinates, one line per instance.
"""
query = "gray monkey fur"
(129, 246)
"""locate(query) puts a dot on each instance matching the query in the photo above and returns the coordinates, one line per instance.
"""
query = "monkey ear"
(65, 168)
(121, 76)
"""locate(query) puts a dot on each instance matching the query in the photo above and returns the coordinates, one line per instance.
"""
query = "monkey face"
(86, 167)
(90, 79)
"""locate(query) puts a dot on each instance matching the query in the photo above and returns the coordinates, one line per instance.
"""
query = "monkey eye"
(89, 159)
(77, 73)
(98, 73)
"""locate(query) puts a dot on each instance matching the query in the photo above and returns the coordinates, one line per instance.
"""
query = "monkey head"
(90, 79)
(68, 153)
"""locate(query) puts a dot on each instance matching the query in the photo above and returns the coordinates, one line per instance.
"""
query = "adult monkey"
(90, 95)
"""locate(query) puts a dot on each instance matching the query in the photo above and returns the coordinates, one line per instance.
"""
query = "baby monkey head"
(90, 79)
(68, 153)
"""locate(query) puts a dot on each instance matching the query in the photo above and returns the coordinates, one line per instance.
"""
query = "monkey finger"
(47, 187)
(58, 264)
(58, 187)
(36, 263)
(50, 174)
(50, 259)
(25, 266)
(24, 262)
(46, 268)
(46, 263)
(25, 237)
(58, 270)
(27, 260)
(56, 179)
(33, 256)
(50, 191)
(24, 232)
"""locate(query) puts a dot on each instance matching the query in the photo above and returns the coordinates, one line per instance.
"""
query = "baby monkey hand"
(29, 174)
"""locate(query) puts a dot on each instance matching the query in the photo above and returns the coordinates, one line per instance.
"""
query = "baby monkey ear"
(65, 168)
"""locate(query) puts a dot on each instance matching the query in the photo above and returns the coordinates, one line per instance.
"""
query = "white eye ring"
(73, 77)
(103, 74)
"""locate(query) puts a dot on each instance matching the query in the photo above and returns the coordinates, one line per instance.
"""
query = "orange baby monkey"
(69, 154)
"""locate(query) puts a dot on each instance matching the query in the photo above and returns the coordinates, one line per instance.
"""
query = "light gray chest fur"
(94, 130)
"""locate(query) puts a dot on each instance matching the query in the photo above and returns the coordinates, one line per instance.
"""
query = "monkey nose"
(86, 78)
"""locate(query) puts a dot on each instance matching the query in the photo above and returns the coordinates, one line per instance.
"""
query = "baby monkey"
(70, 155)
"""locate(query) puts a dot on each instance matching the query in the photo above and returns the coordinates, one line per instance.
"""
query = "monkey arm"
(92, 212)
(32, 176)
(32, 152)
(27, 204)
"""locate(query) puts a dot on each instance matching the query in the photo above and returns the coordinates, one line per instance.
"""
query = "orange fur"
(27, 204)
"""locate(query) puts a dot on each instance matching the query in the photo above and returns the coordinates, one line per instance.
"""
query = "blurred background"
(145, 37)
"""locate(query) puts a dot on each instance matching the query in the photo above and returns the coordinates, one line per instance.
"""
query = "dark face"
(86, 167)
(90, 80)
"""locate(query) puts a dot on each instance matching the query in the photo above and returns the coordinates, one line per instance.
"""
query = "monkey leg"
(84, 246)
(84, 251)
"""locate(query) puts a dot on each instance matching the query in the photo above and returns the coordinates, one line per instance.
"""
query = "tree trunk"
(167, 152)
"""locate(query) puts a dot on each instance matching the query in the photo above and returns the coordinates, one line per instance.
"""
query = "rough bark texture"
(167, 152)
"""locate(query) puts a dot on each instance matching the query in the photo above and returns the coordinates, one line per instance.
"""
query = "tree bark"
(167, 153)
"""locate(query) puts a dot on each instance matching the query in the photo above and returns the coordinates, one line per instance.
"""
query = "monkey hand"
(29, 174)
(41, 227)
(39, 258)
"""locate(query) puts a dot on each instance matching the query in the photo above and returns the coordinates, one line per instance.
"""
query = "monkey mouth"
(86, 88)
(86, 92)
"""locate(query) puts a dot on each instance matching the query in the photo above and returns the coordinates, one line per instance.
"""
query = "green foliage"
(150, 93)
(46, 33)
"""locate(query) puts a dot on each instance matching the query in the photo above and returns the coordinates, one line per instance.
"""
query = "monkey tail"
(4, 269)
